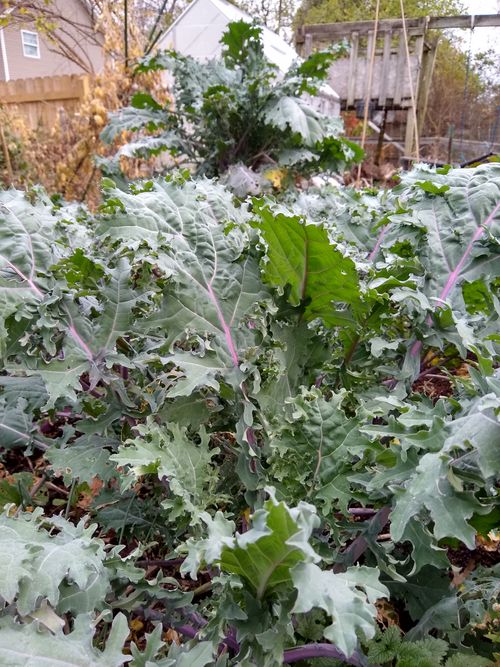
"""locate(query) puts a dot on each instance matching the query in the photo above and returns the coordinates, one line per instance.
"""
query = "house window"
(31, 47)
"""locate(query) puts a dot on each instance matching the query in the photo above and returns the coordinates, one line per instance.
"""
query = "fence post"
(6, 153)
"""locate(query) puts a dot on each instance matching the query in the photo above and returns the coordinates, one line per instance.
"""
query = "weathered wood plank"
(386, 59)
(353, 65)
(327, 30)
(428, 62)
(400, 70)
(40, 100)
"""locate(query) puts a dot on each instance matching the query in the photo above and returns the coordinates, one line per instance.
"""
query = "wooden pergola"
(391, 83)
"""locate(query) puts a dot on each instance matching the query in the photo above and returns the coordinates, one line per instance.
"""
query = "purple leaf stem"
(361, 511)
(26, 436)
(310, 651)
(306, 652)
(375, 250)
(225, 327)
(79, 340)
(197, 619)
(455, 274)
(187, 630)
(161, 562)
(30, 282)
(450, 283)
(358, 547)
(73, 332)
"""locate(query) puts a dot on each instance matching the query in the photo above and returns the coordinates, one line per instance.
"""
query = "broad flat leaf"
(34, 236)
(430, 489)
(422, 591)
(300, 255)
(61, 376)
(32, 390)
(452, 227)
(87, 342)
(214, 283)
(339, 596)
(16, 425)
(208, 549)
(85, 459)
(39, 562)
(444, 616)
(277, 541)
(467, 660)
(198, 371)
(456, 223)
(264, 555)
(15, 555)
(425, 550)
(168, 452)
(96, 340)
(298, 116)
(116, 318)
(27, 248)
(479, 429)
(130, 119)
(197, 655)
(311, 451)
(26, 646)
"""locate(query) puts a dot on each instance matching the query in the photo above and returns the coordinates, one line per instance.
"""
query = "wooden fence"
(41, 99)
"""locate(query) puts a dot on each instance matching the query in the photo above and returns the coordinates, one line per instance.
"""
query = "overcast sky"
(483, 38)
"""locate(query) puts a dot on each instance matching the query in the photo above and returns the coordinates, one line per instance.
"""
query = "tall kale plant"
(237, 109)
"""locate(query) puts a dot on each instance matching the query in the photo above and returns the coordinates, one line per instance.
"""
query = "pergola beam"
(327, 30)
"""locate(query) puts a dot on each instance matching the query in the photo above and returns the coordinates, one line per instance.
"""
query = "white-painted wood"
(5, 60)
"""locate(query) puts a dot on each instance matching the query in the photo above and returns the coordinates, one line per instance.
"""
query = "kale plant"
(238, 109)
(262, 428)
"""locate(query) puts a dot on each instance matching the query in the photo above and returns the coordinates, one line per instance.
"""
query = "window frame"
(24, 44)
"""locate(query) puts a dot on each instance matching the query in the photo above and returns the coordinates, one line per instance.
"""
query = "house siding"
(50, 63)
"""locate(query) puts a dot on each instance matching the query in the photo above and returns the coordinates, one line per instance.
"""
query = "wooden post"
(451, 132)
(308, 46)
(386, 63)
(353, 64)
(424, 84)
(8, 163)
(381, 135)
(409, 134)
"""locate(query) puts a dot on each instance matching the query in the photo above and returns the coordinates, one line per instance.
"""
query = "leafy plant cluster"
(259, 431)
(238, 109)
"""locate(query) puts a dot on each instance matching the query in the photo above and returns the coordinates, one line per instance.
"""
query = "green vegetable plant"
(257, 424)
(237, 110)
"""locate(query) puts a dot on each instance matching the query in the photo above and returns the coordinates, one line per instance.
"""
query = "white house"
(197, 32)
